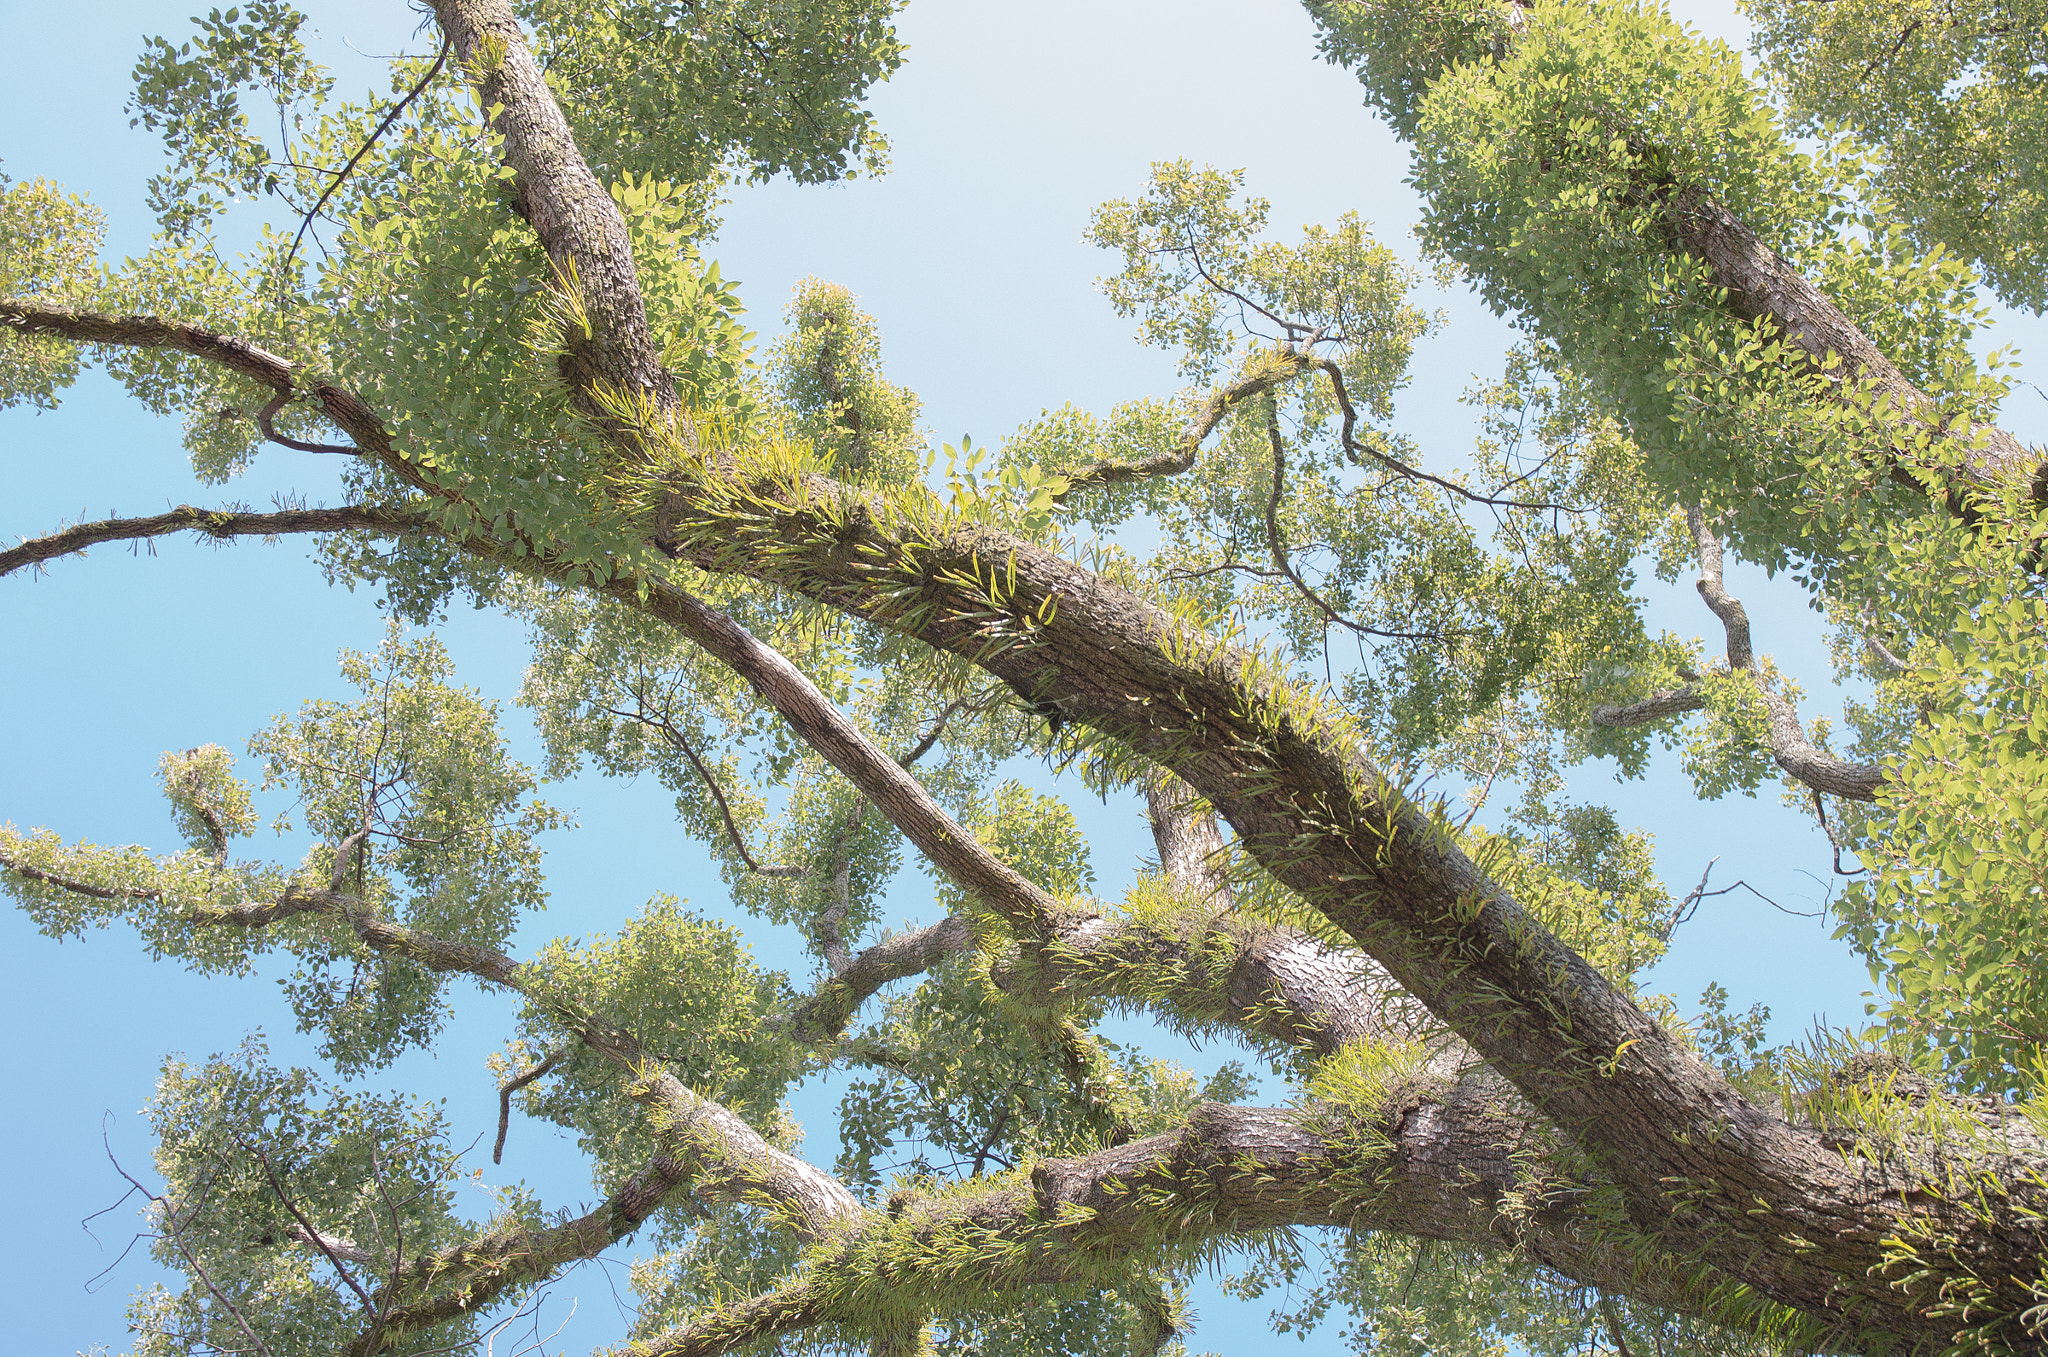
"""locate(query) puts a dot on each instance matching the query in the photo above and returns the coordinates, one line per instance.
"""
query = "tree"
(747, 576)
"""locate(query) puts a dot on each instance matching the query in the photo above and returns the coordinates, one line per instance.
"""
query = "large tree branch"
(1436, 1161)
(1694, 1160)
(826, 1013)
(1656, 707)
(572, 212)
(1309, 807)
(461, 1279)
(1697, 1165)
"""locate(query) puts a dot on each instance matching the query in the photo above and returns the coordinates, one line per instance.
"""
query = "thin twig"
(356, 159)
(1403, 469)
(661, 723)
(1279, 548)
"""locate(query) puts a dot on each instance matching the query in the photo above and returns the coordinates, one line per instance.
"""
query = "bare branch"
(512, 1086)
(219, 524)
(306, 1230)
(1286, 567)
(655, 720)
(167, 1212)
(1796, 755)
(362, 151)
(1275, 369)
(1361, 451)
(270, 411)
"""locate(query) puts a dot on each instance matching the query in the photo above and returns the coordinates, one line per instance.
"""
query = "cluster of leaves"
(828, 370)
(253, 1159)
(49, 248)
(1426, 1298)
(1952, 915)
(1950, 93)
(693, 90)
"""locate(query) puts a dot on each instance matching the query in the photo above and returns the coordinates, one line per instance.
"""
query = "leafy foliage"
(1471, 617)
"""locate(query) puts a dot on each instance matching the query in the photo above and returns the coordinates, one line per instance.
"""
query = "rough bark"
(1691, 1156)
(568, 208)
(1699, 1169)
(1762, 285)
(1190, 846)
(1434, 1161)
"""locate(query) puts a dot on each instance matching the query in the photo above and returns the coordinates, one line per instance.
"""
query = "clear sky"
(1009, 124)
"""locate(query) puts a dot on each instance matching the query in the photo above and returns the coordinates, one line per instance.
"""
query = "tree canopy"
(1747, 300)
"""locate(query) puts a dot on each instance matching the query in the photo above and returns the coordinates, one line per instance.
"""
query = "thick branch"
(570, 210)
(873, 773)
(1433, 1162)
(1190, 847)
(1655, 707)
(469, 1275)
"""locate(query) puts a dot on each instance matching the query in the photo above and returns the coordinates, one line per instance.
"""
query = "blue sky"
(1009, 124)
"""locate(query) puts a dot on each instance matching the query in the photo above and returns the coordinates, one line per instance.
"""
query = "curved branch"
(467, 1276)
(344, 408)
(705, 1144)
(512, 1086)
(1360, 451)
(661, 723)
(825, 1015)
(1286, 567)
(1435, 1161)
(1276, 370)
(1798, 756)
(269, 412)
